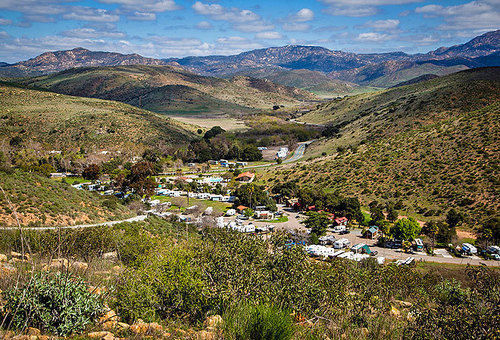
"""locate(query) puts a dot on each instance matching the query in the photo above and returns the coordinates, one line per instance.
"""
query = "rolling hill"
(168, 89)
(60, 122)
(50, 62)
(312, 81)
(40, 201)
(374, 115)
(432, 144)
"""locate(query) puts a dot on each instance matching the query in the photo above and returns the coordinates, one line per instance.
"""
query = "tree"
(216, 130)
(252, 195)
(248, 212)
(406, 229)
(251, 153)
(318, 222)
(140, 179)
(431, 229)
(392, 214)
(199, 131)
(454, 218)
(376, 213)
(91, 172)
(489, 232)
(384, 227)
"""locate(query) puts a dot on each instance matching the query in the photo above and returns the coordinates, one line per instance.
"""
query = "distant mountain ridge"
(168, 89)
(50, 62)
(376, 69)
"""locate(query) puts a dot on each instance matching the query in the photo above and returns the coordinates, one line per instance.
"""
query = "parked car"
(344, 232)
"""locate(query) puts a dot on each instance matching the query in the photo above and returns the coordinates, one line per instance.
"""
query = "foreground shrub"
(264, 321)
(165, 284)
(56, 303)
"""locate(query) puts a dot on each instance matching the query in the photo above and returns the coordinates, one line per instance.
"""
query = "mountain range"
(166, 89)
(335, 71)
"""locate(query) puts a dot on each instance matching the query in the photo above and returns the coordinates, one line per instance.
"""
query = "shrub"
(57, 303)
(263, 321)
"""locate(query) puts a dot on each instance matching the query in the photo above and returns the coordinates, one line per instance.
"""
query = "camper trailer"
(341, 243)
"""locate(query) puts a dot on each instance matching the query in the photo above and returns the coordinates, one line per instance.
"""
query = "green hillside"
(40, 201)
(312, 81)
(169, 89)
(372, 116)
(60, 122)
(451, 163)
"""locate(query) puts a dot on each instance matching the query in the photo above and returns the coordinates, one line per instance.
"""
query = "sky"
(177, 28)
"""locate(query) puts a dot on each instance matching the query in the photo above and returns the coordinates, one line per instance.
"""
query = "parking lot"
(441, 255)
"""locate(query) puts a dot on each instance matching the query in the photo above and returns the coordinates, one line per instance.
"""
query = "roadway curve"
(137, 218)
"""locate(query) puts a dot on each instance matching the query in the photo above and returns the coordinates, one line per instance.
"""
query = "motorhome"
(469, 249)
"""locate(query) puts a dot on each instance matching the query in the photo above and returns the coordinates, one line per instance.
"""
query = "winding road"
(137, 218)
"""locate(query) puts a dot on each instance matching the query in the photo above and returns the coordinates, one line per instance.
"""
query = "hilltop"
(41, 201)
(59, 122)
(433, 145)
(50, 62)
(379, 114)
(170, 89)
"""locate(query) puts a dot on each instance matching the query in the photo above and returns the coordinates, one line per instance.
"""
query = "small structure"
(341, 221)
(419, 245)
(361, 248)
(372, 232)
(264, 214)
(245, 177)
(241, 208)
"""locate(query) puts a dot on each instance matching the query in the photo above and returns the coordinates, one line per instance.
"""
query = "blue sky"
(176, 28)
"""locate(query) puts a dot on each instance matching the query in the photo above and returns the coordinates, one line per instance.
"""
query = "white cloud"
(296, 27)
(383, 25)
(145, 5)
(204, 25)
(5, 22)
(481, 15)
(297, 22)
(305, 14)
(237, 44)
(269, 35)
(373, 37)
(242, 20)
(87, 32)
(90, 14)
(359, 8)
(142, 16)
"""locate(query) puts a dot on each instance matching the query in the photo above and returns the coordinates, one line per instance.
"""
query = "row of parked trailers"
(357, 253)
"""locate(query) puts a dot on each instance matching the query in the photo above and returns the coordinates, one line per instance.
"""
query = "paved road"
(299, 152)
(78, 226)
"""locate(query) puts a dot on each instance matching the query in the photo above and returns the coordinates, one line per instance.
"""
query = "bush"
(246, 321)
(57, 303)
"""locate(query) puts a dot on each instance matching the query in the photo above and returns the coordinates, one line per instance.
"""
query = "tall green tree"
(406, 229)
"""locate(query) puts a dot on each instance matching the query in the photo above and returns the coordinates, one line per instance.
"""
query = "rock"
(395, 312)
(213, 322)
(365, 331)
(57, 264)
(3, 258)
(16, 254)
(34, 331)
(139, 327)
(81, 266)
(113, 255)
(123, 326)
(206, 335)
(109, 320)
(101, 335)
(7, 269)
(155, 327)
(404, 304)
